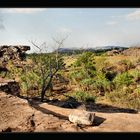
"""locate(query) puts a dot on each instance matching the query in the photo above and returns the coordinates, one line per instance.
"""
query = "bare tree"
(52, 67)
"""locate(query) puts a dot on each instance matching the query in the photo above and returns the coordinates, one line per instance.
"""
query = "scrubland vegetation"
(86, 76)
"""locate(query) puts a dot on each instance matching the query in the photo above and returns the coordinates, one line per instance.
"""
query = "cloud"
(112, 23)
(134, 15)
(22, 10)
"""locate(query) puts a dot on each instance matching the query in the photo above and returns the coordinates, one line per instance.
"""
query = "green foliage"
(87, 81)
(83, 96)
(32, 76)
(77, 75)
(101, 83)
(124, 79)
(135, 74)
(86, 59)
(87, 84)
(13, 70)
(30, 81)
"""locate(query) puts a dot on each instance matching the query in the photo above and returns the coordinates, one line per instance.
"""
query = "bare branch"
(60, 43)
(36, 46)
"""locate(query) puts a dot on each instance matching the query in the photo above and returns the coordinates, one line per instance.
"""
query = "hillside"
(133, 51)
(96, 49)
(105, 85)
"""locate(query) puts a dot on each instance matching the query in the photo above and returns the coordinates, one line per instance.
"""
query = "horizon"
(86, 27)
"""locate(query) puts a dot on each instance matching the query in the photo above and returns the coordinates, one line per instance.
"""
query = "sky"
(85, 27)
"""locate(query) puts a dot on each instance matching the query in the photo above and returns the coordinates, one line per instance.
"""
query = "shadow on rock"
(108, 108)
(98, 120)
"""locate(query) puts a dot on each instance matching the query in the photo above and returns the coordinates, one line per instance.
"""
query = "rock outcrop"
(9, 86)
(17, 54)
(13, 52)
(114, 52)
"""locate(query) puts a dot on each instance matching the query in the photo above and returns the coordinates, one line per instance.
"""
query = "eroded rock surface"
(20, 115)
(13, 52)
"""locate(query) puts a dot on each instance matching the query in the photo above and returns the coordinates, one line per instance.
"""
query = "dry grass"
(116, 59)
(68, 60)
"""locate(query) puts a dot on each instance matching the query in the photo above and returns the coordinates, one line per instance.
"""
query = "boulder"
(9, 86)
(11, 52)
(82, 117)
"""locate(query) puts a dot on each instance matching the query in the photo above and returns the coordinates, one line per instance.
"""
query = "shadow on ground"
(97, 121)
(89, 106)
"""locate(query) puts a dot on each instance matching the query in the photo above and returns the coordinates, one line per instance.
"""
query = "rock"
(13, 52)
(82, 117)
(9, 86)
(114, 52)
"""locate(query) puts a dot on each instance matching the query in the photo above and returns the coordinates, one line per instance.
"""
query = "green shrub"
(87, 84)
(124, 79)
(87, 81)
(101, 83)
(83, 96)
(85, 59)
(136, 75)
(77, 75)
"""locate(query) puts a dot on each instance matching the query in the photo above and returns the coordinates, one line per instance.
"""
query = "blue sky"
(86, 27)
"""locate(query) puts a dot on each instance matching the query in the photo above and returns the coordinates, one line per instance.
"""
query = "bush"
(77, 75)
(136, 75)
(86, 59)
(124, 79)
(83, 96)
(87, 84)
(102, 84)
(30, 81)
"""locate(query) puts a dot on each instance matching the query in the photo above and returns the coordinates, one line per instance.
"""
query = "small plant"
(101, 84)
(124, 79)
(83, 96)
(87, 84)
(136, 75)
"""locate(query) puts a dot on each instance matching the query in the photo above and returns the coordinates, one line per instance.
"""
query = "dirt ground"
(20, 115)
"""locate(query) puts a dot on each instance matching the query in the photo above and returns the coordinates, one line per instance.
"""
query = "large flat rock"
(18, 115)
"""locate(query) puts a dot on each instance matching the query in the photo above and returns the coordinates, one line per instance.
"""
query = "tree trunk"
(46, 88)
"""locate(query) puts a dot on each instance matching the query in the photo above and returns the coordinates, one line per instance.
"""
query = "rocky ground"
(20, 115)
